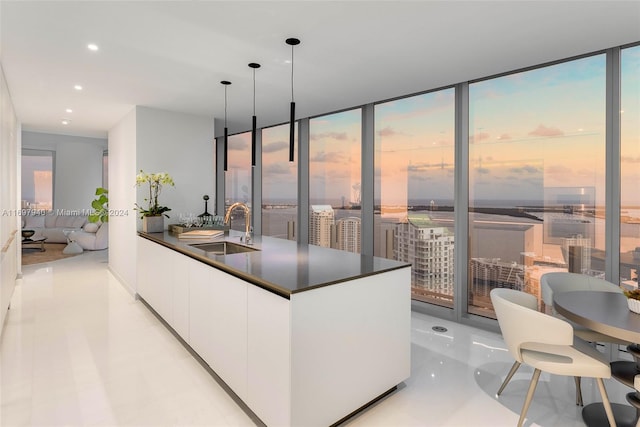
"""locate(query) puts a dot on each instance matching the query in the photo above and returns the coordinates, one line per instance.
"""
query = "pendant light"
(292, 42)
(226, 131)
(254, 66)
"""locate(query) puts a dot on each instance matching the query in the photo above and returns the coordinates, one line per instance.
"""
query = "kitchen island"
(303, 335)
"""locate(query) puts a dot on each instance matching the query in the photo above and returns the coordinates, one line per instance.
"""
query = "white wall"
(156, 141)
(122, 195)
(9, 219)
(181, 145)
(78, 166)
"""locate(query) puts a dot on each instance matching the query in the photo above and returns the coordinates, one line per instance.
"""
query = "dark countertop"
(281, 266)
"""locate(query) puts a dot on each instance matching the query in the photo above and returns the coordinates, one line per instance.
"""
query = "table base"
(595, 416)
(72, 248)
(32, 244)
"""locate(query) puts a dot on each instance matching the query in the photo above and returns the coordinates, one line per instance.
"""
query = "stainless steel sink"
(223, 248)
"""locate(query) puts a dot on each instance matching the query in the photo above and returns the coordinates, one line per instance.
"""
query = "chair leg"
(512, 371)
(606, 403)
(578, 392)
(527, 401)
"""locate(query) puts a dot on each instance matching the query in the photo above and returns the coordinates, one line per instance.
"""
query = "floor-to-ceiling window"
(279, 184)
(536, 164)
(630, 167)
(536, 177)
(414, 190)
(238, 176)
(37, 179)
(334, 180)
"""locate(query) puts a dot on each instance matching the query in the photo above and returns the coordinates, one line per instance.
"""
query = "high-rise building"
(576, 251)
(320, 221)
(348, 234)
(430, 250)
(489, 273)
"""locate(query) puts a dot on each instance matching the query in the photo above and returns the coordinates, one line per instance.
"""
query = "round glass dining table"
(608, 313)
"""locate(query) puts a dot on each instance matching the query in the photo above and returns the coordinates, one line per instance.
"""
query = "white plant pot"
(634, 305)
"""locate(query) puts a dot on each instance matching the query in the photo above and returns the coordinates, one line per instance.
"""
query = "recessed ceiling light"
(66, 121)
(77, 87)
(69, 110)
(92, 46)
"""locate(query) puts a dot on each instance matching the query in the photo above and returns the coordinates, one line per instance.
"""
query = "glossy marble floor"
(79, 350)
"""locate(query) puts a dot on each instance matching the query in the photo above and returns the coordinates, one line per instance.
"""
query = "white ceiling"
(172, 54)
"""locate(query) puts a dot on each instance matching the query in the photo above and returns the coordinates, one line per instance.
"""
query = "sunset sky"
(538, 129)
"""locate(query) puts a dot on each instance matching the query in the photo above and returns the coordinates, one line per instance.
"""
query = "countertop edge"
(285, 293)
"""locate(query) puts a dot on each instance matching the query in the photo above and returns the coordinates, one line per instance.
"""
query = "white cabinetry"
(200, 297)
(162, 281)
(205, 306)
(155, 276)
(218, 323)
(269, 362)
(180, 297)
(309, 360)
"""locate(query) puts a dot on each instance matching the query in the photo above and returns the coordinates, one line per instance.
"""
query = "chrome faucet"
(247, 219)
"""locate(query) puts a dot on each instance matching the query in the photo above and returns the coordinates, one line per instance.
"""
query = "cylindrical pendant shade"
(292, 121)
(226, 130)
(292, 130)
(254, 66)
(253, 141)
(226, 135)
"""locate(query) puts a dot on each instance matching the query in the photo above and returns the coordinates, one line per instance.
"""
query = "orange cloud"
(542, 130)
(340, 136)
(387, 132)
(331, 157)
(275, 146)
(525, 169)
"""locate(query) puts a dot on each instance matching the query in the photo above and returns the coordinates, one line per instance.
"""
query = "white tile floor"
(78, 350)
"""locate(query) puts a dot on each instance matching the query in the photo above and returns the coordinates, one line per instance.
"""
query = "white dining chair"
(556, 282)
(547, 344)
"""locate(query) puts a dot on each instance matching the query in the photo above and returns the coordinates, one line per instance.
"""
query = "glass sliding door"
(414, 190)
(334, 180)
(279, 184)
(536, 178)
(630, 168)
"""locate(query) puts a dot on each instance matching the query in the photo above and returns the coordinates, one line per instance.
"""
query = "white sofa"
(90, 236)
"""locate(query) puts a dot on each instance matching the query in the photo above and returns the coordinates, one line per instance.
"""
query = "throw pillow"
(90, 227)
